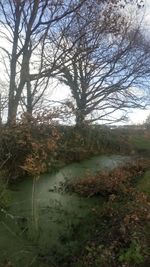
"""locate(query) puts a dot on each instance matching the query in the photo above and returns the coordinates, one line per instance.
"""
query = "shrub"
(27, 147)
(124, 241)
(117, 181)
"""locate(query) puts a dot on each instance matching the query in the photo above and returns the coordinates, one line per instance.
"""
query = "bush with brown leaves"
(118, 181)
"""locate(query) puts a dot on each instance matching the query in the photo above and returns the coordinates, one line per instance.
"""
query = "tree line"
(95, 47)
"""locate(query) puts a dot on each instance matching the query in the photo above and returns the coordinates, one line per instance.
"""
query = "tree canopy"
(93, 46)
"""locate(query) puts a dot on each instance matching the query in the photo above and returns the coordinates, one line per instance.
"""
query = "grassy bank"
(116, 234)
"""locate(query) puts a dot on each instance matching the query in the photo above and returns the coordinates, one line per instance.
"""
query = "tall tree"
(24, 25)
(108, 66)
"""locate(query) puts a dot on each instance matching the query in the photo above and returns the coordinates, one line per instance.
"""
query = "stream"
(57, 214)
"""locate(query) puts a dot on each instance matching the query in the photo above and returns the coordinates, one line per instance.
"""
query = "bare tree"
(108, 67)
(53, 50)
(25, 25)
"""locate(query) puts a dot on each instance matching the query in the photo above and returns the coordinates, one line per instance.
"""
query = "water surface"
(57, 213)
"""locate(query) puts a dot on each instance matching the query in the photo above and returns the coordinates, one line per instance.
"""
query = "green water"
(58, 213)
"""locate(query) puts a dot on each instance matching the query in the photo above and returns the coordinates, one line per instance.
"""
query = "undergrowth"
(37, 145)
(117, 181)
(118, 232)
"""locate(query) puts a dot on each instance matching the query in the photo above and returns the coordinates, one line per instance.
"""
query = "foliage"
(77, 144)
(4, 194)
(125, 241)
(131, 254)
(144, 183)
(117, 234)
(28, 146)
(116, 182)
(137, 138)
(39, 145)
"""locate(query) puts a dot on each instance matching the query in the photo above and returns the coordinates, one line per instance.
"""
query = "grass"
(144, 183)
(141, 143)
(116, 232)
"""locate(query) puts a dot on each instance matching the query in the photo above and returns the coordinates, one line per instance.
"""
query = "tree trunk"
(12, 104)
(12, 111)
(29, 99)
(80, 118)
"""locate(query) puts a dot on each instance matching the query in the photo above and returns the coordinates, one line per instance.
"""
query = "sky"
(136, 116)
(147, 12)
